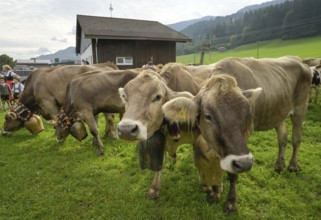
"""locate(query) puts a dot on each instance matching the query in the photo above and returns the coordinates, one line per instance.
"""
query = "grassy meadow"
(304, 48)
(44, 180)
(40, 179)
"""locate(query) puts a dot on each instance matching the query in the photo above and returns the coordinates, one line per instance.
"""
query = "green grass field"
(44, 180)
(304, 48)
(40, 179)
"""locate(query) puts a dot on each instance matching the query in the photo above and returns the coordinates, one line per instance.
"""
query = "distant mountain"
(203, 27)
(183, 24)
(67, 54)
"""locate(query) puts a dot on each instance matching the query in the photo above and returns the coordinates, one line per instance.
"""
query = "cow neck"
(65, 120)
(22, 112)
(28, 102)
(316, 78)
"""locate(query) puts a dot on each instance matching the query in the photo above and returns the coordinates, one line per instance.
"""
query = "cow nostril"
(242, 165)
(237, 165)
(128, 131)
(135, 129)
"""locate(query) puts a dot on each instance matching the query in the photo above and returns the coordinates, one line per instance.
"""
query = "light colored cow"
(143, 98)
(312, 61)
(316, 77)
(89, 94)
(244, 95)
(45, 92)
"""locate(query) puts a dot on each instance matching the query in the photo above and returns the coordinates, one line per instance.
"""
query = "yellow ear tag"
(181, 116)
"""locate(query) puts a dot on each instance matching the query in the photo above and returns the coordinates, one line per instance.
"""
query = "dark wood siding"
(141, 51)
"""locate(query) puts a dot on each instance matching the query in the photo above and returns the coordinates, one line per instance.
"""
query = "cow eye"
(124, 97)
(208, 117)
(157, 98)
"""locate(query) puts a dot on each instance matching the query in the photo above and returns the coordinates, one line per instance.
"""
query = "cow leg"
(49, 108)
(171, 150)
(153, 192)
(91, 120)
(231, 200)
(316, 89)
(208, 166)
(282, 134)
(310, 93)
(297, 120)
(110, 129)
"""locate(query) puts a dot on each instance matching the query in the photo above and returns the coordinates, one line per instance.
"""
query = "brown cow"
(91, 93)
(44, 93)
(316, 78)
(245, 95)
(144, 97)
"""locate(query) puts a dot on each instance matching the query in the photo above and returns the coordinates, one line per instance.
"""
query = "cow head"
(61, 132)
(224, 115)
(143, 98)
(65, 125)
(11, 123)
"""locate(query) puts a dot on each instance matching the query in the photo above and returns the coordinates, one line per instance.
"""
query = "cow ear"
(252, 94)
(122, 95)
(181, 109)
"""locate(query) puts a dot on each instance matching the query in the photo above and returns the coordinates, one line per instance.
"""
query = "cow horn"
(12, 115)
(52, 122)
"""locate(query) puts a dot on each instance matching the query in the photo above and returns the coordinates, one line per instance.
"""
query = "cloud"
(42, 50)
(73, 31)
(62, 40)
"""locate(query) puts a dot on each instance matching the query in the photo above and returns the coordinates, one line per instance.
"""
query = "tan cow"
(143, 98)
(45, 91)
(245, 95)
(312, 61)
(89, 94)
(316, 78)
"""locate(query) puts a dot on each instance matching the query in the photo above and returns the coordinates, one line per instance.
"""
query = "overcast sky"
(30, 28)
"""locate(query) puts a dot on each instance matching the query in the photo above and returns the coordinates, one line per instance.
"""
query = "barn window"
(124, 61)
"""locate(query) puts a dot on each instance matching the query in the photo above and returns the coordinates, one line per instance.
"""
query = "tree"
(5, 59)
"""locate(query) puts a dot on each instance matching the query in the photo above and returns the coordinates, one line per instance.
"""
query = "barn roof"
(125, 29)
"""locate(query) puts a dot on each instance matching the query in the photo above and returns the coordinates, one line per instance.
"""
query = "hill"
(304, 48)
(278, 19)
(179, 26)
(67, 54)
(258, 6)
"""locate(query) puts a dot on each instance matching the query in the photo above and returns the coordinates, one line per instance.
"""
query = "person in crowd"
(5, 91)
(8, 77)
(8, 73)
(17, 88)
(150, 63)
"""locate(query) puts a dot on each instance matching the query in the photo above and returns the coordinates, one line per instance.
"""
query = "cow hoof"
(100, 153)
(212, 198)
(293, 169)
(214, 194)
(152, 194)
(230, 208)
(278, 169)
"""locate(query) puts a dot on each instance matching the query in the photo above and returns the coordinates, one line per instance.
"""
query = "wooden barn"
(126, 42)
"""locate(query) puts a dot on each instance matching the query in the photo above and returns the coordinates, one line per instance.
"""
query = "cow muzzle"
(131, 130)
(237, 163)
(4, 132)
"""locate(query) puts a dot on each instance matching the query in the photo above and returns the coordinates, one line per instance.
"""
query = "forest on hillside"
(290, 20)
